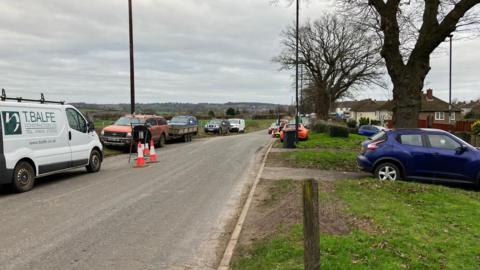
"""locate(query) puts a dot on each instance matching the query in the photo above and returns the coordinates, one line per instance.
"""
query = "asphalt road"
(171, 215)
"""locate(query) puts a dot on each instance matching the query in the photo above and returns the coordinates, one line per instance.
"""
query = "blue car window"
(442, 141)
(411, 139)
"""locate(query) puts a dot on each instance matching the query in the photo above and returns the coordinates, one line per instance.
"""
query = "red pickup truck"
(120, 133)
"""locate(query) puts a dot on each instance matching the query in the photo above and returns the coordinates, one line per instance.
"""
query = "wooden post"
(311, 225)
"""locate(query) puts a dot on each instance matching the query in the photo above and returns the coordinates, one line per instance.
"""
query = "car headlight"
(129, 134)
(102, 133)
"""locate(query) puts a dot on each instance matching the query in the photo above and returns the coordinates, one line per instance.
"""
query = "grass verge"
(323, 140)
(323, 160)
(410, 226)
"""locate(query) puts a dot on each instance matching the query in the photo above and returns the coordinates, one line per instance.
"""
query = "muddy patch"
(277, 206)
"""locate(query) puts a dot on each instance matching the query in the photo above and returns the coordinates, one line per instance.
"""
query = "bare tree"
(338, 57)
(409, 31)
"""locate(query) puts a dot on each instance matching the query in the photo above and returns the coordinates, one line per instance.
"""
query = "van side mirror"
(91, 126)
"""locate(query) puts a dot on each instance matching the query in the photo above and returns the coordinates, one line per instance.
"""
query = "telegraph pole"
(450, 84)
(296, 75)
(132, 64)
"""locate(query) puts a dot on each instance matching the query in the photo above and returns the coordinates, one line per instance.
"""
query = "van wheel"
(387, 171)
(95, 162)
(23, 177)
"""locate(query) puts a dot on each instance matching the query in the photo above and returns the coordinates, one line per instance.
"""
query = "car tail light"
(374, 145)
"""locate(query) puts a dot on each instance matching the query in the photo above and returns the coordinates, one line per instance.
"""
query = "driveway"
(171, 215)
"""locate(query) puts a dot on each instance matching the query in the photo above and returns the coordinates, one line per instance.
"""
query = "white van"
(38, 139)
(237, 125)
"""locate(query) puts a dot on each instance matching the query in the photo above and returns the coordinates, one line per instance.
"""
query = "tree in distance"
(211, 114)
(230, 112)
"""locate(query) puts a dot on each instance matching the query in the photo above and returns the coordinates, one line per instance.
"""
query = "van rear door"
(79, 138)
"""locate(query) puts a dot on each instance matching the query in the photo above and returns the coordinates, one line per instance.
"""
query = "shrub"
(353, 130)
(476, 128)
(321, 127)
(364, 121)
(469, 115)
(375, 122)
(338, 131)
(351, 123)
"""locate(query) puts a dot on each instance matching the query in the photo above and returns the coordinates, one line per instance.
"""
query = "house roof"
(467, 105)
(433, 105)
(346, 103)
(368, 105)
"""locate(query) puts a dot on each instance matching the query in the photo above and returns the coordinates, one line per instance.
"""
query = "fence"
(459, 126)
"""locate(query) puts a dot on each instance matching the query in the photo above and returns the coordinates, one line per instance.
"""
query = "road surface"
(171, 215)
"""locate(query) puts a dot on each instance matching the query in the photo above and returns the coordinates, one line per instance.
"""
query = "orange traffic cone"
(153, 153)
(140, 159)
(146, 150)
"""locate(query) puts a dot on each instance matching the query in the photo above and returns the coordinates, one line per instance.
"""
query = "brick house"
(433, 110)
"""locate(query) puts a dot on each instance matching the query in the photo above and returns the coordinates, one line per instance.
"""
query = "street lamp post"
(132, 67)
(450, 84)
(296, 75)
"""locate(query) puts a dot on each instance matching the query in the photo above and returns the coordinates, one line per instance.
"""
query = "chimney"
(430, 94)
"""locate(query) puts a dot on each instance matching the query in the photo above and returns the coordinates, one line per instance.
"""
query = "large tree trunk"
(322, 106)
(407, 94)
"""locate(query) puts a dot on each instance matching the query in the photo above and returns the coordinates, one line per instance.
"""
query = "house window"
(439, 116)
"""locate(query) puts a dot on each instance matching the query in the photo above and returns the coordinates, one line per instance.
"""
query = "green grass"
(417, 226)
(322, 159)
(323, 152)
(322, 140)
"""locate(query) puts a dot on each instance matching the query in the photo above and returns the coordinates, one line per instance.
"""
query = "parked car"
(120, 133)
(220, 126)
(369, 130)
(423, 154)
(273, 127)
(302, 131)
(237, 125)
(183, 120)
(43, 138)
(182, 127)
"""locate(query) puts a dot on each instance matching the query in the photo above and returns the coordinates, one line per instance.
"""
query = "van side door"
(78, 136)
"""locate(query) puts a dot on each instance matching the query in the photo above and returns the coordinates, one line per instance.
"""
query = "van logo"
(11, 123)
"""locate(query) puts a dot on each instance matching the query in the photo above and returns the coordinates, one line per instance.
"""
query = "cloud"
(185, 51)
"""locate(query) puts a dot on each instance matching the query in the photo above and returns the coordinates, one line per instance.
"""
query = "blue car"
(183, 120)
(420, 154)
(369, 130)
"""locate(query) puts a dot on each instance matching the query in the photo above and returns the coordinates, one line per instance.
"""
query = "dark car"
(369, 130)
(421, 154)
(220, 126)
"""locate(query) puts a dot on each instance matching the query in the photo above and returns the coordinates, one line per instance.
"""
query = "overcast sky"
(186, 51)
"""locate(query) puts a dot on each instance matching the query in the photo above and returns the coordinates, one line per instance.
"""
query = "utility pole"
(296, 75)
(450, 84)
(302, 101)
(132, 64)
